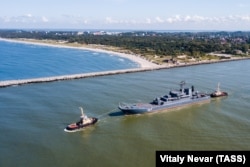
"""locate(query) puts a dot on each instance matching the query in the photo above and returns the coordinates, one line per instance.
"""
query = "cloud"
(244, 18)
(231, 22)
(26, 18)
(159, 20)
(110, 20)
(44, 19)
(73, 19)
(175, 21)
(196, 18)
(28, 15)
(148, 21)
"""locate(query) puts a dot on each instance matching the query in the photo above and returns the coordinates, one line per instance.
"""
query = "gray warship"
(175, 98)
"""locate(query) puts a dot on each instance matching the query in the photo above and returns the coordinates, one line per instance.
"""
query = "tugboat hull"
(77, 126)
(218, 93)
(213, 95)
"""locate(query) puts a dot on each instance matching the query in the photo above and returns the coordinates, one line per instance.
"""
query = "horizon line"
(123, 30)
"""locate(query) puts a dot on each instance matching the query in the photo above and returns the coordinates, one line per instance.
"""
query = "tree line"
(194, 44)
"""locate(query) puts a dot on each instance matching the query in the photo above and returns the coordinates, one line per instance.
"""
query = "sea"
(33, 116)
(24, 61)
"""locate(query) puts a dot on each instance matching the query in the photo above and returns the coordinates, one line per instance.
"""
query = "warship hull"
(174, 99)
(139, 109)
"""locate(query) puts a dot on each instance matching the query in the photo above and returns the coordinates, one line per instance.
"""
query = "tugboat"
(218, 93)
(175, 98)
(83, 123)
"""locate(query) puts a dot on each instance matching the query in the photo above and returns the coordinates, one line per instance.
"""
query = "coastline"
(145, 65)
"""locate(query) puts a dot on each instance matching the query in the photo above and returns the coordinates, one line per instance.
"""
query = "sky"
(231, 15)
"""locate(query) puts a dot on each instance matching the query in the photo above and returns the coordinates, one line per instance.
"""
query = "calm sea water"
(22, 61)
(32, 118)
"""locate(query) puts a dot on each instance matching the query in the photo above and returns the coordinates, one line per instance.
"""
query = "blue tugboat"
(175, 98)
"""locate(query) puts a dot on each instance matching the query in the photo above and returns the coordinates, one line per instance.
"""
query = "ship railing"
(123, 104)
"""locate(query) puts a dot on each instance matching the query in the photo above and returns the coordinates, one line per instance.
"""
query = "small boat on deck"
(83, 123)
(218, 92)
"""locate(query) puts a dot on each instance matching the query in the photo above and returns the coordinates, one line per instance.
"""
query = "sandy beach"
(143, 63)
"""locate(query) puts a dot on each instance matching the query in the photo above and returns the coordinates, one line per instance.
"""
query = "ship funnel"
(192, 88)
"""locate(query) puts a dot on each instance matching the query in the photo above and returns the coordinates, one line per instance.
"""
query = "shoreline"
(145, 65)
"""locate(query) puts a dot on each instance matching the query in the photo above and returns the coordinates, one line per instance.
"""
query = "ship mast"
(181, 84)
(81, 111)
(218, 88)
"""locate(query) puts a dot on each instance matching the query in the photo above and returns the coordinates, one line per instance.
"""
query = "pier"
(102, 73)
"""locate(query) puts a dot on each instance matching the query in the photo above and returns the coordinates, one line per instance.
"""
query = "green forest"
(161, 44)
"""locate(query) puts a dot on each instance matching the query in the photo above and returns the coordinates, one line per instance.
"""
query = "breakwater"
(104, 73)
(68, 77)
